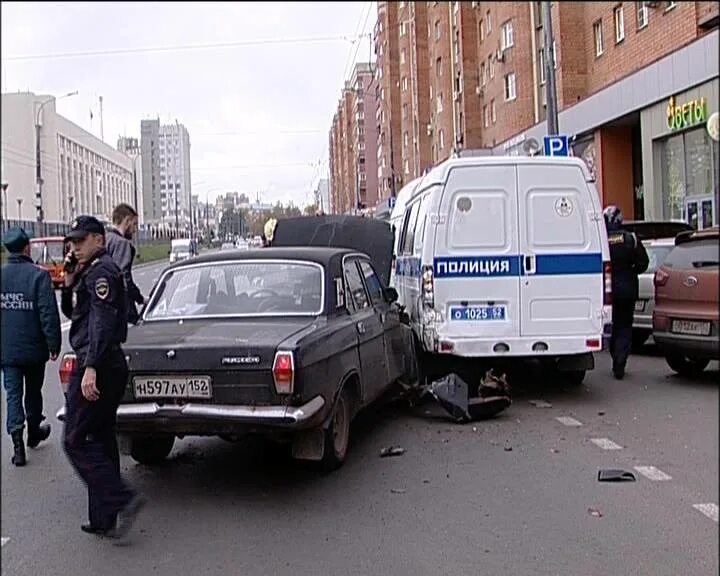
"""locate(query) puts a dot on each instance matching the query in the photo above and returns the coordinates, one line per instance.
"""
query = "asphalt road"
(517, 495)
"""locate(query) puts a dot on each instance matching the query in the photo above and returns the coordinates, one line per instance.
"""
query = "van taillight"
(284, 372)
(661, 278)
(607, 283)
(67, 366)
(428, 286)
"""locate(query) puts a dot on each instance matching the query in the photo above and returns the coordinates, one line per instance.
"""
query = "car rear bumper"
(529, 346)
(193, 418)
(699, 347)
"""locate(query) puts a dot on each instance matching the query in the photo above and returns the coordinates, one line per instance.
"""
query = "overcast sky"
(276, 98)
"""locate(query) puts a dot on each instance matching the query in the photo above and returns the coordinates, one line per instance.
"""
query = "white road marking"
(568, 421)
(652, 473)
(4, 541)
(710, 510)
(540, 404)
(606, 444)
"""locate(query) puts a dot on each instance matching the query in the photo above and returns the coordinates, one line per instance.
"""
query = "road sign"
(391, 202)
(556, 145)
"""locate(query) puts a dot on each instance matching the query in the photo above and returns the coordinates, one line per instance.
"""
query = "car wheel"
(151, 450)
(686, 366)
(337, 434)
(573, 377)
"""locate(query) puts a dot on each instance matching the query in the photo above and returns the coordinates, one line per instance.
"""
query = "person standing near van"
(118, 243)
(629, 259)
(30, 334)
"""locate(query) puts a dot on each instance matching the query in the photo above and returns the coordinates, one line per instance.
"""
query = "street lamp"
(19, 201)
(38, 162)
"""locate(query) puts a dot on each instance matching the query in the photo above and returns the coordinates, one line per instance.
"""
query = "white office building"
(80, 173)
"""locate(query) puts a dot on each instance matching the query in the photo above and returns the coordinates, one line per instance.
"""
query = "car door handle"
(529, 264)
(361, 328)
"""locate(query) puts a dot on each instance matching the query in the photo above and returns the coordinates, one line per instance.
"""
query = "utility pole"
(102, 131)
(550, 91)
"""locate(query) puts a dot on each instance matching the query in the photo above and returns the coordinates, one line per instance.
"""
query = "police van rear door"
(475, 263)
(561, 252)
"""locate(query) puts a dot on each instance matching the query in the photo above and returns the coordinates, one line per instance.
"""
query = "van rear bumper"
(498, 347)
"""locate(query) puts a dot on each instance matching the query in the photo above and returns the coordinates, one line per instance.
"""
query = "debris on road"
(398, 490)
(540, 404)
(601, 412)
(554, 450)
(595, 512)
(508, 448)
(392, 451)
(612, 475)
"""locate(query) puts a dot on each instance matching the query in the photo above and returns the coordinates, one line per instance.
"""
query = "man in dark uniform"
(99, 326)
(628, 259)
(118, 243)
(30, 334)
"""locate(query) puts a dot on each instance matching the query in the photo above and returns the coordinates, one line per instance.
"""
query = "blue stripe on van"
(568, 264)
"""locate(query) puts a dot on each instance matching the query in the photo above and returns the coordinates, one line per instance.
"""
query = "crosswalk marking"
(652, 473)
(710, 510)
(605, 444)
(568, 421)
(4, 541)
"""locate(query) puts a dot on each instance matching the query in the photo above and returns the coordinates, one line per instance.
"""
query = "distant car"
(227, 246)
(657, 251)
(288, 343)
(685, 319)
(242, 245)
(49, 253)
(656, 229)
(181, 249)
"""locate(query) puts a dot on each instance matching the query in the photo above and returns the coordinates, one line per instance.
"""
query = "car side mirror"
(391, 295)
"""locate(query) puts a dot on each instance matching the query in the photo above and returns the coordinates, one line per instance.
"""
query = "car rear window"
(695, 254)
(656, 256)
(245, 288)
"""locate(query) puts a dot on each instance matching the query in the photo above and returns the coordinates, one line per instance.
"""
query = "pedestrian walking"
(98, 328)
(628, 259)
(118, 243)
(30, 335)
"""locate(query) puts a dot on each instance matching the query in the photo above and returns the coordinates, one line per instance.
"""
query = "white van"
(180, 249)
(507, 256)
(398, 214)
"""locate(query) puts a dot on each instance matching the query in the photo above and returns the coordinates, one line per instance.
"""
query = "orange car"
(685, 319)
(49, 253)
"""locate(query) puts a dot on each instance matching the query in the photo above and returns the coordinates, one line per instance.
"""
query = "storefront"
(681, 161)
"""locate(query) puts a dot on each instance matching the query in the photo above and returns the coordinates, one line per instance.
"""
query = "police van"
(398, 214)
(507, 257)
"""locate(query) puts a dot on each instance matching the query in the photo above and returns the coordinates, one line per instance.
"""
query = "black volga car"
(288, 342)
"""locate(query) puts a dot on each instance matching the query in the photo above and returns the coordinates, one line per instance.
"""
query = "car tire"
(686, 366)
(337, 434)
(573, 377)
(150, 450)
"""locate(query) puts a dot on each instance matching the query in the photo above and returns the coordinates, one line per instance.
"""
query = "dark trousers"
(623, 311)
(27, 379)
(90, 440)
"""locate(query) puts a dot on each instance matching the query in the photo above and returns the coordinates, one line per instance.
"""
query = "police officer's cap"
(16, 239)
(84, 225)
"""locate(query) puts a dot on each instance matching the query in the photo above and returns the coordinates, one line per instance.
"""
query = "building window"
(554, 54)
(619, 24)
(437, 29)
(404, 83)
(642, 15)
(431, 92)
(403, 29)
(669, 6)
(483, 73)
(541, 63)
(491, 67)
(405, 139)
(493, 114)
(441, 138)
(488, 23)
(598, 35)
(406, 166)
(481, 29)
(439, 103)
(405, 111)
(438, 67)
(506, 38)
(510, 91)
(402, 56)
(486, 116)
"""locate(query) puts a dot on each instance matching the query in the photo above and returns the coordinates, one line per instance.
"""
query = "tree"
(311, 209)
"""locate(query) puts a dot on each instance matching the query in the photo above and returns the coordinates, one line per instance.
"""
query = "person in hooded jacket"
(30, 335)
(628, 259)
(118, 244)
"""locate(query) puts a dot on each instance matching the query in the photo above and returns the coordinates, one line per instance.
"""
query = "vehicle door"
(408, 263)
(475, 261)
(394, 344)
(370, 331)
(560, 245)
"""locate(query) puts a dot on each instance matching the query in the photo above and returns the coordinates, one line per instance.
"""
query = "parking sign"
(556, 145)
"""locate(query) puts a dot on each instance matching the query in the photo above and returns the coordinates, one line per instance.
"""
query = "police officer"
(628, 259)
(30, 334)
(118, 243)
(99, 326)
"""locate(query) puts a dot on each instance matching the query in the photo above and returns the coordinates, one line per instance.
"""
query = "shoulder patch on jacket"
(102, 288)
(616, 239)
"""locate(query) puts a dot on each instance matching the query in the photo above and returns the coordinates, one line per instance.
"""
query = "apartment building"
(80, 173)
(353, 144)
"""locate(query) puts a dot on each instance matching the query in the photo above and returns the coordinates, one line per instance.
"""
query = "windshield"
(54, 254)
(259, 288)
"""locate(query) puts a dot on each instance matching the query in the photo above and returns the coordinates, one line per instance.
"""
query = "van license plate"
(478, 313)
(689, 327)
(172, 387)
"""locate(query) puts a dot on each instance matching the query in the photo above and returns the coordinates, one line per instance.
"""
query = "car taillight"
(67, 366)
(284, 372)
(661, 278)
(607, 283)
(428, 286)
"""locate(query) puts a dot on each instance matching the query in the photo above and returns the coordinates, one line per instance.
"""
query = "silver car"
(657, 250)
